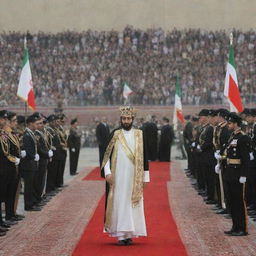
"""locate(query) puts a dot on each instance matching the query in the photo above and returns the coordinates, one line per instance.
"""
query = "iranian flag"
(25, 87)
(231, 90)
(178, 115)
(127, 91)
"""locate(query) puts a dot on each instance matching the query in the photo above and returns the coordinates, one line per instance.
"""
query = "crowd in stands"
(90, 68)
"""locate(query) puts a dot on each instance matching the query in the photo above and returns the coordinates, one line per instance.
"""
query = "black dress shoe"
(229, 232)
(2, 233)
(33, 209)
(221, 211)
(4, 225)
(19, 216)
(238, 233)
(122, 242)
(2, 229)
(210, 202)
(11, 222)
(128, 241)
(13, 218)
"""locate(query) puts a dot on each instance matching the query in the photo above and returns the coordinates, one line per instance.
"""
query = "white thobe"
(127, 221)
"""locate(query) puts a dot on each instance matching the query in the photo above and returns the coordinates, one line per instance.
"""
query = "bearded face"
(126, 122)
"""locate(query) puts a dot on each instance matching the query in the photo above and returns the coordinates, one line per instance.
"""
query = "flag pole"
(26, 104)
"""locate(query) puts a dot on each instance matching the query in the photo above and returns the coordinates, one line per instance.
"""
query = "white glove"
(23, 153)
(37, 157)
(217, 168)
(50, 153)
(198, 147)
(242, 180)
(193, 144)
(73, 150)
(217, 155)
(251, 156)
(17, 161)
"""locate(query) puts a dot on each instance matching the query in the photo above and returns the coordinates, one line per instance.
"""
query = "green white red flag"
(127, 91)
(25, 87)
(231, 90)
(178, 115)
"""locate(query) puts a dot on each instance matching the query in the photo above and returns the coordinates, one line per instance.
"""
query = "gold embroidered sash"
(137, 159)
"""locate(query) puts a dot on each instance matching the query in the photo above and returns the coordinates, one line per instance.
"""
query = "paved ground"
(56, 229)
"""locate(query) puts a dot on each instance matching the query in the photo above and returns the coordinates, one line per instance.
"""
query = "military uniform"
(238, 160)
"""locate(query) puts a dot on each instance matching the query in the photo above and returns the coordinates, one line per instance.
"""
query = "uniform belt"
(233, 161)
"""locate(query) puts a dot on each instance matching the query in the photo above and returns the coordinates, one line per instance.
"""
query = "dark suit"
(29, 167)
(188, 139)
(74, 142)
(150, 132)
(166, 139)
(102, 134)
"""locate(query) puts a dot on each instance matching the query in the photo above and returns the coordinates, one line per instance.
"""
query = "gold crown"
(127, 111)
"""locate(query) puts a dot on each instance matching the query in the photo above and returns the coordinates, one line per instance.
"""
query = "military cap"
(253, 111)
(21, 119)
(3, 114)
(51, 118)
(234, 118)
(187, 117)
(195, 118)
(247, 112)
(204, 112)
(10, 115)
(73, 121)
(223, 112)
(32, 118)
(166, 119)
(213, 112)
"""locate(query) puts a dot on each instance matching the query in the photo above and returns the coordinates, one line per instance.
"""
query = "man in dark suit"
(166, 139)
(151, 132)
(74, 144)
(102, 134)
(29, 164)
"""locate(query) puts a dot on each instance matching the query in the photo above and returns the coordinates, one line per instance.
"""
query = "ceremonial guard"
(4, 152)
(188, 139)
(62, 150)
(221, 136)
(12, 168)
(208, 162)
(45, 153)
(74, 144)
(238, 160)
(29, 164)
(54, 164)
(166, 140)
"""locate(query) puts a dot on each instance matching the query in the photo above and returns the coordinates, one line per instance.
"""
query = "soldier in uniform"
(166, 139)
(207, 162)
(29, 164)
(54, 164)
(45, 154)
(221, 136)
(12, 168)
(74, 144)
(238, 161)
(3, 162)
(188, 138)
(62, 150)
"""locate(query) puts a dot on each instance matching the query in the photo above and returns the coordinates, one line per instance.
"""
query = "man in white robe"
(125, 168)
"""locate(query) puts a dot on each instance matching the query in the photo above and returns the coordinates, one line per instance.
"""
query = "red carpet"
(163, 238)
(94, 175)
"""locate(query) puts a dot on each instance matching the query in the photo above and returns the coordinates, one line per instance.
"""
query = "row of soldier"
(33, 149)
(221, 149)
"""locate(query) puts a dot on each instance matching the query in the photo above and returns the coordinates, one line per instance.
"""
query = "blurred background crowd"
(90, 68)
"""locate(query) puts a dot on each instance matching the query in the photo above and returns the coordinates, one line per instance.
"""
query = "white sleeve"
(146, 176)
(107, 170)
